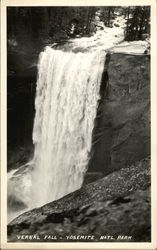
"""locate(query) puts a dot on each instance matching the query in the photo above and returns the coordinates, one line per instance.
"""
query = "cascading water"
(66, 102)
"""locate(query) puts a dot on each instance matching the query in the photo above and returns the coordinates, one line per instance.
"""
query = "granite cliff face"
(122, 130)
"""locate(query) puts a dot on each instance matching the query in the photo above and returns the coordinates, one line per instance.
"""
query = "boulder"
(118, 204)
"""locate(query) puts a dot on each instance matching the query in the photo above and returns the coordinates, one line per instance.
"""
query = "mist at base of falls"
(67, 95)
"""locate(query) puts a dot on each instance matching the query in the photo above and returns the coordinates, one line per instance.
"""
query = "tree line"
(36, 24)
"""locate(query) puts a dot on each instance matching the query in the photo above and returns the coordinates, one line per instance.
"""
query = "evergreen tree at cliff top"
(138, 23)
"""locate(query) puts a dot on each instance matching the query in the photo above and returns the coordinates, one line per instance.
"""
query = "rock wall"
(122, 130)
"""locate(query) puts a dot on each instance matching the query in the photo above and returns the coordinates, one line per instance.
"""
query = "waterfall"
(66, 102)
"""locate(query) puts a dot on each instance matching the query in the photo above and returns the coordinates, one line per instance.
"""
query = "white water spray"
(66, 102)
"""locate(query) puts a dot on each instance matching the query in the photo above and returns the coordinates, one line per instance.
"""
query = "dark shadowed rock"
(111, 205)
(122, 130)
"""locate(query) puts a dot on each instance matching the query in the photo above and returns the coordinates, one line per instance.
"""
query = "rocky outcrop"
(118, 204)
(122, 127)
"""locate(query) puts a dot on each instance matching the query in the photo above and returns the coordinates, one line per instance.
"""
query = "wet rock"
(116, 24)
(116, 205)
(128, 222)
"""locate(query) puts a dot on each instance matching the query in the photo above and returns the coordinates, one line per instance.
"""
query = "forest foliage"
(39, 25)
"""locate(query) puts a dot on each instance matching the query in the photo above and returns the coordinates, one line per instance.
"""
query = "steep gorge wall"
(122, 132)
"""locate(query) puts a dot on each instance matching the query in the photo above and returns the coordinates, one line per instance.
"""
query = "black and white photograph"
(78, 124)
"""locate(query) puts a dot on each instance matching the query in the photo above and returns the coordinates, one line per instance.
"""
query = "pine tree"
(138, 23)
